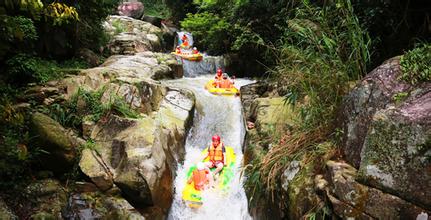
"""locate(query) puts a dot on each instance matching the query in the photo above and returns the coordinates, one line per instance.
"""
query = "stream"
(214, 114)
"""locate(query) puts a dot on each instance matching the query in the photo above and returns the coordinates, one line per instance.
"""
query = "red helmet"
(216, 138)
(219, 70)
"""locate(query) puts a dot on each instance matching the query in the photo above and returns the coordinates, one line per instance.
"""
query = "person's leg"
(209, 164)
(219, 168)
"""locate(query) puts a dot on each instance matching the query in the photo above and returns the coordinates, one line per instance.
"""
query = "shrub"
(211, 30)
(25, 67)
(416, 64)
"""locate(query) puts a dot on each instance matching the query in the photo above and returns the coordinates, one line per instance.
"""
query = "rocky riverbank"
(381, 168)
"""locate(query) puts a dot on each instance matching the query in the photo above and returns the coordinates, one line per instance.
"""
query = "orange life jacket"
(216, 153)
(200, 179)
(218, 77)
(225, 83)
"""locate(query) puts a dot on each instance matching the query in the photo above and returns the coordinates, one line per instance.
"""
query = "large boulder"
(387, 134)
(131, 9)
(56, 140)
(376, 91)
(142, 154)
(130, 36)
(351, 199)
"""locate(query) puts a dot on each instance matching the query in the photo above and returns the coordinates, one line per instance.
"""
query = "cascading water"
(214, 115)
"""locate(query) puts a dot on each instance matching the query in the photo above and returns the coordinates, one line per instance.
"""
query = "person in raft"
(178, 50)
(218, 78)
(225, 83)
(201, 177)
(195, 50)
(216, 154)
(185, 41)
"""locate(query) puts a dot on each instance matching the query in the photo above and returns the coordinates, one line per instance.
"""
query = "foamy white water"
(213, 115)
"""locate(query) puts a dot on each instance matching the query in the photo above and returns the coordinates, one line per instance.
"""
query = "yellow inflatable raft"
(189, 56)
(192, 197)
(221, 91)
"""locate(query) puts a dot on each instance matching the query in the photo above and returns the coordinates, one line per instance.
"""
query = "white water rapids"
(213, 115)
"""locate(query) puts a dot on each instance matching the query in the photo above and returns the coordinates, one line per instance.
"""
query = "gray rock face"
(387, 134)
(375, 92)
(137, 155)
(130, 36)
(351, 199)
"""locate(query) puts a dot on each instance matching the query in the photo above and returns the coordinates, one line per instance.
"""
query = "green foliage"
(90, 33)
(89, 104)
(16, 154)
(399, 97)
(15, 32)
(416, 65)
(319, 58)
(210, 29)
(119, 27)
(23, 66)
(156, 8)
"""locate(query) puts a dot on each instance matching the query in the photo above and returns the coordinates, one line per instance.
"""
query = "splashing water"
(214, 115)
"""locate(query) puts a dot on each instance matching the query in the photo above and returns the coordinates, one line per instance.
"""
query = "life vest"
(195, 51)
(200, 179)
(216, 154)
(218, 77)
(178, 51)
(225, 83)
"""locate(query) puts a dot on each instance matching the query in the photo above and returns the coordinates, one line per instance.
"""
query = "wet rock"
(52, 137)
(5, 212)
(99, 206)
(354, 200)
(47, 198)
(130, 36)
(131, 9)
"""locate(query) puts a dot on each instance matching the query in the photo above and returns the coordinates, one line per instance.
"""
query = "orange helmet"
(216, 138)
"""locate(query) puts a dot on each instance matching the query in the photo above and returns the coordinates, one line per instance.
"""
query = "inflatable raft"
(192, 197)
(221, 91)
(189, 56)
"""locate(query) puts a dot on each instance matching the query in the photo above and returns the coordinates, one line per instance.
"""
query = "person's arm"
(206, 154)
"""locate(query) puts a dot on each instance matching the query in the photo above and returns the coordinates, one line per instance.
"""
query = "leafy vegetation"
(156, 8)
(322, 49)
(416, 64)
(210, 28)
(89, 105)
